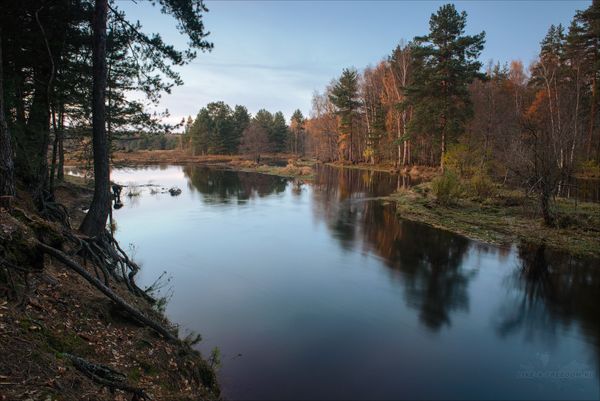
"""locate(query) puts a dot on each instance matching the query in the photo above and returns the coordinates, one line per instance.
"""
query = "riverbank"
(293, 169)
(415, 172)
(505, 218)
(49, 315)
(279, 164)
(178, 156)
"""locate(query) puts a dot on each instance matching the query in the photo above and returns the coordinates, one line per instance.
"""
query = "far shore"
(270, 163)
(507, 217)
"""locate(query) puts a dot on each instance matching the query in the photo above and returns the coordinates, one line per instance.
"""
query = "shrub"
(306, 170)
(291, 169)
(446, 188)
(481, 186)
(462, 160)
(589, 169)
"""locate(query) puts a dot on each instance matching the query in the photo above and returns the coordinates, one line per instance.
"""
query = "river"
(317, 291)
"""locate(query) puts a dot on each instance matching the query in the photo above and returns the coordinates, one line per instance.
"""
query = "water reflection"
(223, 186)
(555, 291)
(343, 184)
(434, 278)
(327, 294)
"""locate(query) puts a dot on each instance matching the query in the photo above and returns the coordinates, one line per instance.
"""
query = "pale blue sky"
(274, 53)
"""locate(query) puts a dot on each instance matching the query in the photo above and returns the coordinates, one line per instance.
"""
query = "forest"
(432, 102)
(502, 146)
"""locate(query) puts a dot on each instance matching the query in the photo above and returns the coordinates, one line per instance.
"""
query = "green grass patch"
(505, 218)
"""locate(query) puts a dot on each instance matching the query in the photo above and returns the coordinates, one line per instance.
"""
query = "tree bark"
(443, 150)
(60, 175)
(7, 183)
(95, 220)
(592, 118)
(54, 149)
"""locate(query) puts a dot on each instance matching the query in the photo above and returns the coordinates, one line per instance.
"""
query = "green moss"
(134, 375)
(142, 344)
(148, 368)
(67, 341)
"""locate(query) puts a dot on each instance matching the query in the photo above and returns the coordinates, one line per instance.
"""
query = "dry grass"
(291, 170)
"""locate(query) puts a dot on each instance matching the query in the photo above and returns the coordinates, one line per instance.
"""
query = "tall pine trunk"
(60, 174)
(54, 149)
(94, 222)
(592, 119)
(7, 183)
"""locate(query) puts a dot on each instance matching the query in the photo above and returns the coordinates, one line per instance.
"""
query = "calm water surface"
(318, 291)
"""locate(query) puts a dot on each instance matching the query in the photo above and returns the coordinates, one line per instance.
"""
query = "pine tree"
(218, 129)
(7, 182)
(264, 119)
(297, 129)
(241, 120)
(588, 22)
(94, 221)
(279, 132)
(445, 64)
(344, 95)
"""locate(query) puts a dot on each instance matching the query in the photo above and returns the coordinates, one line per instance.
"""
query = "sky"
(274, 54)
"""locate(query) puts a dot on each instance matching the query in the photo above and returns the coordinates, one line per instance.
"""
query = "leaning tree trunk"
(7, 182)
(95, 220)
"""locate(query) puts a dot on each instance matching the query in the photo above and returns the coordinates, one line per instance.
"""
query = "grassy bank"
(419, 172)
(55, 313)
(184, 157)
(294, 169)
(270, 163)
(506, 217)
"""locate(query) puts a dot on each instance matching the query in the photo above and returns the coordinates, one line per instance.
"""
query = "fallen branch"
(107, 291)
(106, 376)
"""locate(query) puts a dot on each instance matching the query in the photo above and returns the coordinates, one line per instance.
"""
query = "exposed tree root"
(106, 376)
(26, 237)
(136, 314)
(55, 211)
(103, 251)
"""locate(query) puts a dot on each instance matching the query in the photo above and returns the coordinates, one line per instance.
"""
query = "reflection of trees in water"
(337, 191)
(556, 291)
(428, 260)
(353, 183)
(223, 186)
